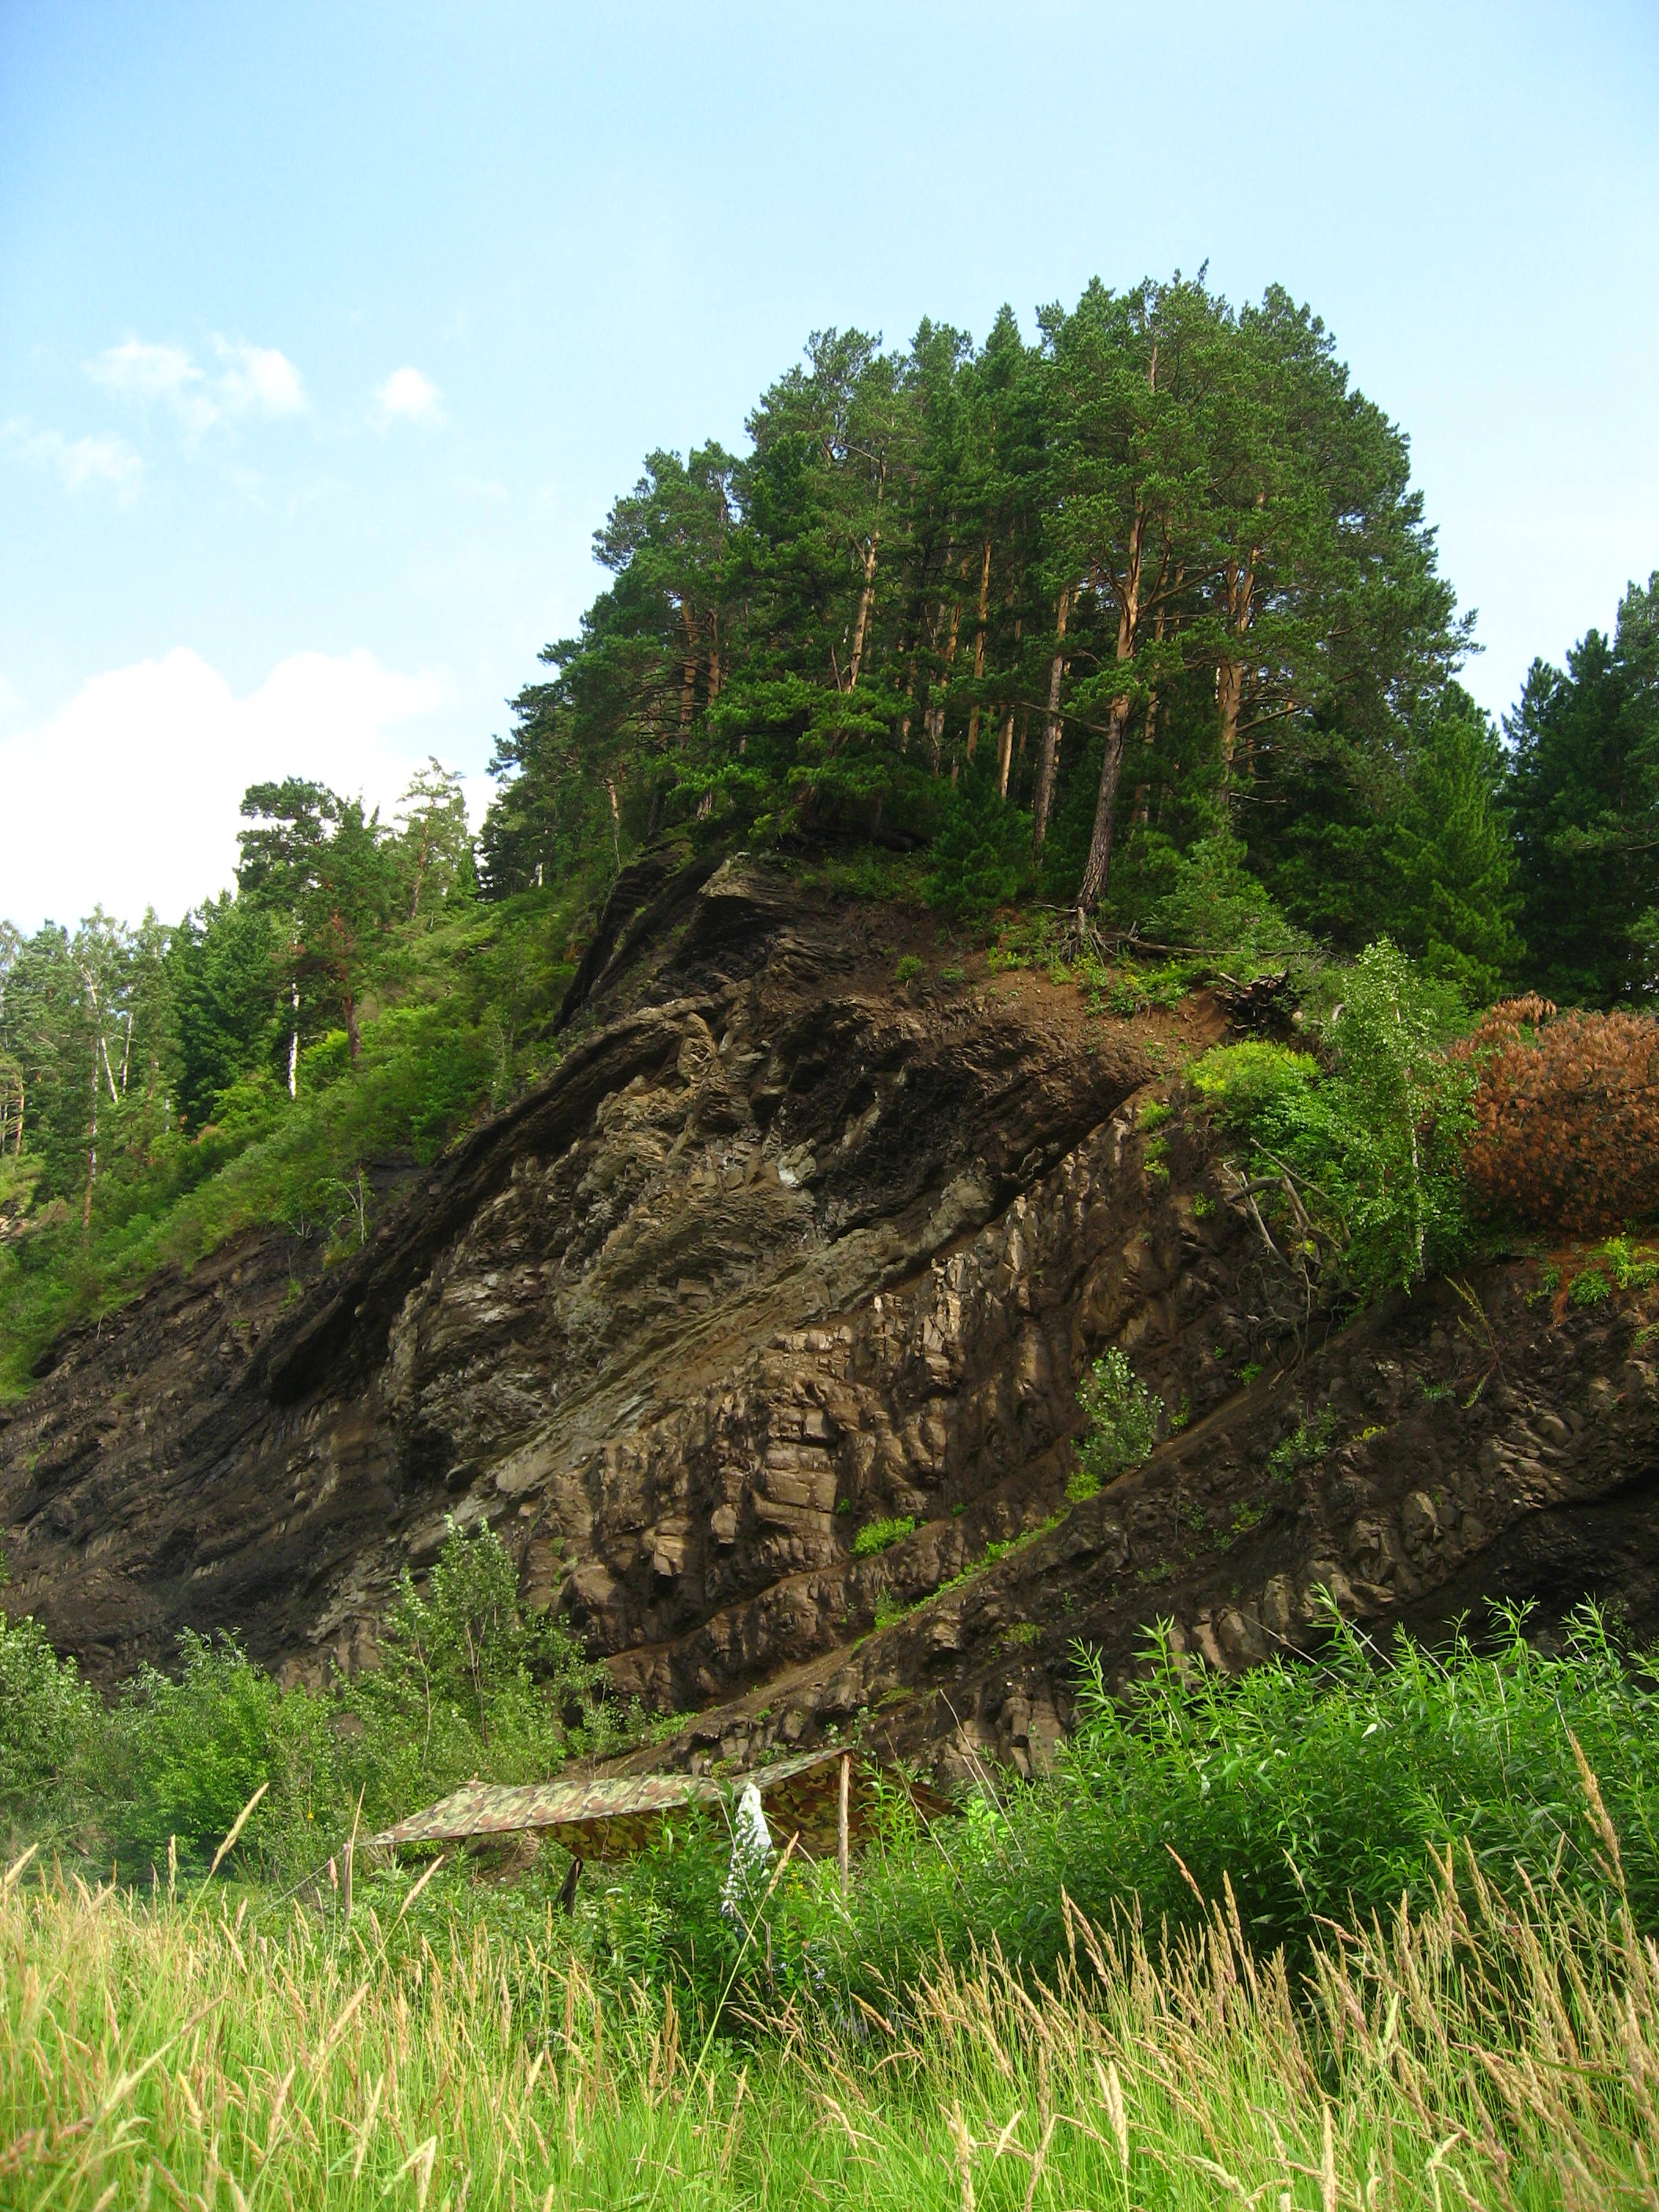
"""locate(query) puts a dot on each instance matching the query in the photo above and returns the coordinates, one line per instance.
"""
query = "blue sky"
(328, 332)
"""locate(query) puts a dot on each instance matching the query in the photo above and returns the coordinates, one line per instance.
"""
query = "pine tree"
(1583, 789)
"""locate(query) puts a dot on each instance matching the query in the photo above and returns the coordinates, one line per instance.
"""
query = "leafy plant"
(1123, 1416)
(1308, 1442)
(878, 1536)
(1363, 1160)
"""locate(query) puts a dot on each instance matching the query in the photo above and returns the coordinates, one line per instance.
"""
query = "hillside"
(786, 1250)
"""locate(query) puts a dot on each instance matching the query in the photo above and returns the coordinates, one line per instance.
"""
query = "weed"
(1307, 1443)
(1632, 1271)
(890, 1609)
(878, 1536)
(1590, 1288)
(908, 968)
(1203, 1207)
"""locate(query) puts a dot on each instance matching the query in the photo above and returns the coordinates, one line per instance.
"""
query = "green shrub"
(1123, 1417)
(877, 1535)
(1313, 1790)
(1242, 1083)
(48, 1720)
(468, 1684)
(909, 968)
(1632, 1271)
(1373, 1144)
(1590, 1288)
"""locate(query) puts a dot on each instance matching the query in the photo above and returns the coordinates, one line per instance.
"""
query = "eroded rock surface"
(784, 1249)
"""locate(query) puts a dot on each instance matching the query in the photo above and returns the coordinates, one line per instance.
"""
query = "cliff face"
(782, 1249)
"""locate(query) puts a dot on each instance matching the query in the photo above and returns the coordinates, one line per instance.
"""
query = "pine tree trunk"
(1044, 800)
(91, 1147)
(689, 674)
(979, 648)
(1099, 865)
(1230, 673)
(1100, 843)
(867, 597)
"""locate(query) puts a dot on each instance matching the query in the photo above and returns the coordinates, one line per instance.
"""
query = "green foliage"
(1631, 1270)
(467, 1681)
(1254, 1080)
(48, 1716)
(1123, 1416)
(879, 1535)
(1215, 905)
(468, 1684)
(1307, 1443)
(910, 965)
(1411, 840)
(853, 629)
(1373, 1145)
(1314, 1791)
(466, 1003)
(1583, 791)
(183, 1755)
(981, 851)
(1454, 901)
(1588, 1288)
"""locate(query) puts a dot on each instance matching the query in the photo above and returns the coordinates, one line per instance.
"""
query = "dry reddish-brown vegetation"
(1566, 1114)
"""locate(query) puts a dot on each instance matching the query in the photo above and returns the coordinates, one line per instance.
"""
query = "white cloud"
(408, 397)
(146, 371)
(251, 380)
(257, 379)
(78, 462)
(128, 794)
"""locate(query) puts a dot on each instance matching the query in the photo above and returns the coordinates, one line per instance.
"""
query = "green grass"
(1328, 1931)
(1483, 2051)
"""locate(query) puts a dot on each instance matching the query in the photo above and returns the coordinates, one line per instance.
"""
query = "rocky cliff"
(785, 1249)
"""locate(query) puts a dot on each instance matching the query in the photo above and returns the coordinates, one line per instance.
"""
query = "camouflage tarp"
(609, 1816)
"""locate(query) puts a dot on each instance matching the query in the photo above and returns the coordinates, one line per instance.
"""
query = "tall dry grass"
(1494, 2051)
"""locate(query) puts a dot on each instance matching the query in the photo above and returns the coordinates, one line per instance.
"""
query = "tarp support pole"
(841, 1818)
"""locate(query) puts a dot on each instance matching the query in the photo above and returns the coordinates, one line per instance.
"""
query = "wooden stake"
(351, 1852)
(841, 1818)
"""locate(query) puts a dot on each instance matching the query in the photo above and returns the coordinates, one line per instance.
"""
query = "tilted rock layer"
(786, 1249)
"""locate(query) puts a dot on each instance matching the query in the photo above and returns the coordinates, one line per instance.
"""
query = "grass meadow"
(1490, 2049)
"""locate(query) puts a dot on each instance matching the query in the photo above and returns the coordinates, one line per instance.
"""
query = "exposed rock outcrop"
(784, 1248)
